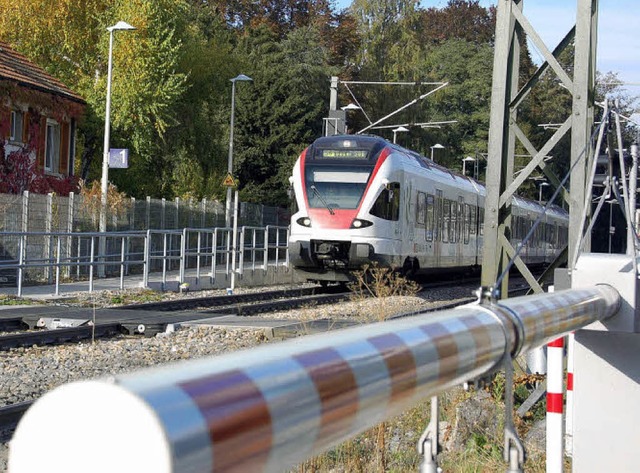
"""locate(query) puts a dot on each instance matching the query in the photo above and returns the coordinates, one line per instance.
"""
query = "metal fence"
(76, 256)
(30, 212)
(49, 226)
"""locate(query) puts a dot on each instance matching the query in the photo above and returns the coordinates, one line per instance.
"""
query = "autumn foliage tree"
(171, 91)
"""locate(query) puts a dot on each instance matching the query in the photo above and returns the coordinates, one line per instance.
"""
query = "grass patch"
(15, 300)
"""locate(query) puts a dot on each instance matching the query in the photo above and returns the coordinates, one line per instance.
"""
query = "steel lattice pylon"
(511, 26)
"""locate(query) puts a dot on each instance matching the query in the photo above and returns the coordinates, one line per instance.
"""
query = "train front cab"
(347, 210)
(334, 255)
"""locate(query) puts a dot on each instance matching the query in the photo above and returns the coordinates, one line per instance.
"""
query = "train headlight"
(304, 221)
(359, 223)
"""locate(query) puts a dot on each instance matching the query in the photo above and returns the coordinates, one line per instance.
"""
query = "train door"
(459, 229)
(437, 229)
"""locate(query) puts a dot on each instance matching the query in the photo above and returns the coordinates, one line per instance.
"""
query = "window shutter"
(41, 142)
(25, 128)
(5, 123)
(63, 168)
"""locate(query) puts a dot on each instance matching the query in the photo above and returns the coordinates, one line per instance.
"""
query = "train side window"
(474, 219)
(481, 218)
(467, 223)
(387, 205)
(421, 209)
(438, 217)
(453, 224)
(429, 222)
(446, 220)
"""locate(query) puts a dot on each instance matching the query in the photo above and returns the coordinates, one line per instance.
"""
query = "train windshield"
(336, 187)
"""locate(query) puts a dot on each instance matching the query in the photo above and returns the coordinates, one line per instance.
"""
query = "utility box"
(606, 379)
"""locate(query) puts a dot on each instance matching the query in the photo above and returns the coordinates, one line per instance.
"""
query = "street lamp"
(436, 146)
(121, 25)
(241, 78)
(400, 129)
(346, 109)
(542, 184)
(468, 159)
(351, 106)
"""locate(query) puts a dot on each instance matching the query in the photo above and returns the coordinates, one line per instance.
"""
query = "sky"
(618, 43)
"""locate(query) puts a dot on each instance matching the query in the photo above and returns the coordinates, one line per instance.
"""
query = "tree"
(459, 19)
(281, 112)
(69, 39)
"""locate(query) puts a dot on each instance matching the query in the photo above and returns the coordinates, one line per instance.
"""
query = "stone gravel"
(27, 373)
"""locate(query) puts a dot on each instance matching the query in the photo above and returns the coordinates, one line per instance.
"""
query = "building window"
(17, 124)
(52, 147)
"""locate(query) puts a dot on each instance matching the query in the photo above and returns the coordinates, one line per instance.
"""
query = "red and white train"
(362, 199)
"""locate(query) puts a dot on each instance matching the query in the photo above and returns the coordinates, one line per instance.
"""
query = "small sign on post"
(229, 181)
(118, 158)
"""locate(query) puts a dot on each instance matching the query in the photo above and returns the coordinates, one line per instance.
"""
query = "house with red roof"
(38, 120)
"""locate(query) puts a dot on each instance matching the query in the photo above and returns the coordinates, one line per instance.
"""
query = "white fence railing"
(50, 257)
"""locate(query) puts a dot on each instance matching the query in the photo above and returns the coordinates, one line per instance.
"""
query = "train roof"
(374, 144)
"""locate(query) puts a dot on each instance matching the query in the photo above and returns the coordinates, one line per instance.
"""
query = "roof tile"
(16, 67)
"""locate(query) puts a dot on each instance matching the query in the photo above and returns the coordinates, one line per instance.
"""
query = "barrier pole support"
(568, 436)
(555, 446)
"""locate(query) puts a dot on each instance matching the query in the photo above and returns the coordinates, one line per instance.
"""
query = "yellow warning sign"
(229, 181)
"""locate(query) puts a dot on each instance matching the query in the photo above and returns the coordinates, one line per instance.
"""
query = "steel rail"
(274, 406)
(11, 414)
(58, 335)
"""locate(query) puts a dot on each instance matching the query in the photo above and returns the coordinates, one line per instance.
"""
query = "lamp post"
(346, 109)
(466, 160)
(542, 184)
(436, 146)
(241, 77)
(400, 129)
(121, 25)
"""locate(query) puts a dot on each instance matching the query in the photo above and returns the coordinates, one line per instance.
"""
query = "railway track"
(143, 318)
(10, 416)
(58, 335)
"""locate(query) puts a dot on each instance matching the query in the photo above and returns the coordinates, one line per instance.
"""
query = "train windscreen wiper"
(319, 195)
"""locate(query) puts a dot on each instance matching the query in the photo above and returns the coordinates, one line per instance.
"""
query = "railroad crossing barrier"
(274, 406)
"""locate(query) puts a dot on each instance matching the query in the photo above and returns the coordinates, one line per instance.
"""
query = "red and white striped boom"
(274, 406)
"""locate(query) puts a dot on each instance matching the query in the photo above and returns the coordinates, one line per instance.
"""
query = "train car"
(362, 199)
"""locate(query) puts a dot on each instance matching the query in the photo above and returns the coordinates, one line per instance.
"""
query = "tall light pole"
(121, 25)
(241, 77)
(436, 146)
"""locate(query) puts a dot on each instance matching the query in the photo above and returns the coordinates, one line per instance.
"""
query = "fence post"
(147, 259)
(265, 256)
(183, 254)
(162, 214)
(177, 221)
(69, 229)
(203, 207)
(91, 260)
(25, 211)
(148, 212)
(132, 215)
(21, 249)
(48, 221)
(59, 248)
